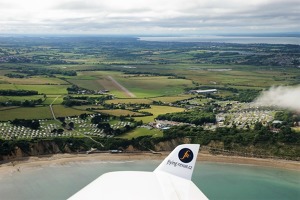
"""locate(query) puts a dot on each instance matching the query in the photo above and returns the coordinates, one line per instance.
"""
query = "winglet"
(181, 161)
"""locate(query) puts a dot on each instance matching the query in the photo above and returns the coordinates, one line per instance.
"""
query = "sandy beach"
(62, 159)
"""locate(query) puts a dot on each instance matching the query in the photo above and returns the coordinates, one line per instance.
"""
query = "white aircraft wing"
(171, 180)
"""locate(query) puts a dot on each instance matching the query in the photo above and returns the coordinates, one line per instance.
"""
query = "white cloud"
(282, 97)
(191, 15)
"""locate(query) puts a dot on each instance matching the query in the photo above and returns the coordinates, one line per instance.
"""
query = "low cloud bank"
(282, 97)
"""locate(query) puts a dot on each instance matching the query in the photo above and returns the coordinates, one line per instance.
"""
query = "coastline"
(62, 159)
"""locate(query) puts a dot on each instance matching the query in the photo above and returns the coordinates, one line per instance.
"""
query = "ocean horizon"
(215, 180)
(225, 39)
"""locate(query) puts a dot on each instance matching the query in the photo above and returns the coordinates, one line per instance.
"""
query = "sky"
(148, 16)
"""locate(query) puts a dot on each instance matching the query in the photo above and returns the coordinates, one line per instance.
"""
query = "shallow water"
(217, 181)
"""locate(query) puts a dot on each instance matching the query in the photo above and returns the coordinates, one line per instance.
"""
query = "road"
(51, 109)
(53, 115)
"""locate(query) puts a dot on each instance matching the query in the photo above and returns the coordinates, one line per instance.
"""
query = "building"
(203, 91)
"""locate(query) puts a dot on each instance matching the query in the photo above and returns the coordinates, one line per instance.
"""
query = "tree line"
(234, 139)
(196, 117)
(11, 75)
(84, 100)
(18, 92)
(33, 124)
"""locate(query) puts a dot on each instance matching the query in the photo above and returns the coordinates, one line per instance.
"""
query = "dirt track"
(118, 85)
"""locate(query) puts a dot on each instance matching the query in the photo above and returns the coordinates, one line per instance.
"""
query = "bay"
(216, 181)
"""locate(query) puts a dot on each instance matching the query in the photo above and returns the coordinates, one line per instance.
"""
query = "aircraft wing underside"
(171, 180)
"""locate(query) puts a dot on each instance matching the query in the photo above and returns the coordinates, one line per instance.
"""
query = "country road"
(51, 108)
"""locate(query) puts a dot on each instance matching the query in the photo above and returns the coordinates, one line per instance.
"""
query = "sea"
(226, 39)
(216, 180)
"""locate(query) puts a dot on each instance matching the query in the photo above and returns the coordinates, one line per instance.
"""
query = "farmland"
(42, 112)
(157, 110)
(142, 132)
(134, 81)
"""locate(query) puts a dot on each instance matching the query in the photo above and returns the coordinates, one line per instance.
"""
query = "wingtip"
(181, 161)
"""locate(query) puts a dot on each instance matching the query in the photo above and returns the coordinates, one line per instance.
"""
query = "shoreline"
(21, 164)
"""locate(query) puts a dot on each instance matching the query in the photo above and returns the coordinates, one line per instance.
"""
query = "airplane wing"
(171, 180)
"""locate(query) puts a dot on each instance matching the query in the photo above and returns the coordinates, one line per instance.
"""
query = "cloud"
(282, 97)
(144, 15)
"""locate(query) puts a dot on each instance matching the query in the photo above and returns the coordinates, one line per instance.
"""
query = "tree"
(61, 119)
(83, 116)
(258, 126)
(106, 127)
(35, 124)
(60, 131)
(71, 125)
(64, 124)
(99, 118)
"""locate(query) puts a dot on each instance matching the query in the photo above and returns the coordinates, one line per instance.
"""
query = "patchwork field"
(135, 71)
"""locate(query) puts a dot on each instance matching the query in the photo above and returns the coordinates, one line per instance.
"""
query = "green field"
(95, 80)
(42, 112)
(42, 89)
(45, 89)
(53, 99)
(119, 112)
(141, 132)
(62, 111)
(140, 86)
(154, 86)
(87, 84)
(8, 107)
(37, 80)
(8, 87)
(247, 76)
(157, 110)
(129, 101)
(20, 98)
(172, 99)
